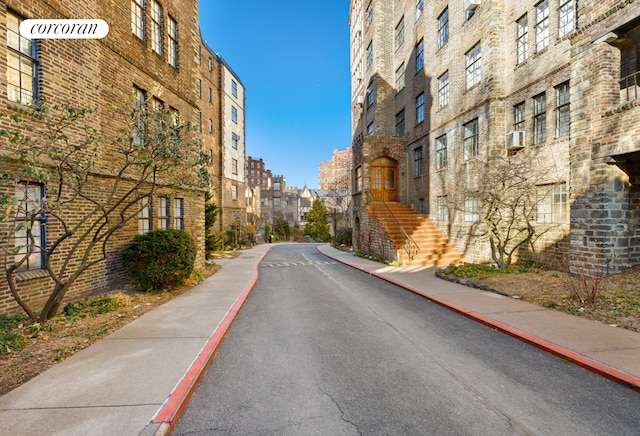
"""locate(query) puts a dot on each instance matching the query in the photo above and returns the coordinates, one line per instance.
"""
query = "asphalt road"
(322, 349)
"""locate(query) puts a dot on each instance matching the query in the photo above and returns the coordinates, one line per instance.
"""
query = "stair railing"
(410, 246)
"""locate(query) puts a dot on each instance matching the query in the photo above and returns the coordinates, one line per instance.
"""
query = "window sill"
(32, 274)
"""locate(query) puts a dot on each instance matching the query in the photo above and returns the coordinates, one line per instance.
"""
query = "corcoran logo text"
(64, 29)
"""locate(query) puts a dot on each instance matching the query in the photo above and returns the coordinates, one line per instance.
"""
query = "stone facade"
(551, 70)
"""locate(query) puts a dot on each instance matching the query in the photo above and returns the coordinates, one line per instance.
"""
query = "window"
(210, 64)
(178, 213)
(234, 114)
(276, 201)
(539, 118)
(172, 30)
(137, 18)
(21, 63)
(420, 56)
(276, 186)
(210, 125)
(443, 28)
(30, 238)
(565, 17)
(420, 108)
(442, 208)
(417, 161)
(441, 152)
(542, 25)
(421, 207)
(164, 212)
(443, 90)
(234, 88)
(518, 117)
(471, 140)
(144, 216)
(369, 12)
(234, 166)
(399, 124)
(156, 27)
(522, 39)
(471, 209)
(358, 186)
(199, 88)
(400, 78)
(419, 8)
(473, 66)
(140, 128)
(563, 114)
(370, 129)
(400, 33)
(371, 93)
(552, 204)
(234, 140)
(210, 95)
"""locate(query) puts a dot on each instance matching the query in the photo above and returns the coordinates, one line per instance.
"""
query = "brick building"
(443, 90)
(336, 173)
(256, 173)
(154, 53)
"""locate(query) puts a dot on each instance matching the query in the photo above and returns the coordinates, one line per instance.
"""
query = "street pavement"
(137, 380)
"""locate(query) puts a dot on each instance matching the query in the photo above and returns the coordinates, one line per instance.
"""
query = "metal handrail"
(409, 240)
(629, 85)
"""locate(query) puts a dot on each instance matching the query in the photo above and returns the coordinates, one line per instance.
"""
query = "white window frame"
(474, 65)
(443, 90)
(552, 204)
(172, 33)
(522, 39)
(22, 63)
(157, 27)
(542, 25)
(566, 17)
(138, 18)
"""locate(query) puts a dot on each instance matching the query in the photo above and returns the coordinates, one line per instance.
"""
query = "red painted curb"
(177, 400)
(571, 356)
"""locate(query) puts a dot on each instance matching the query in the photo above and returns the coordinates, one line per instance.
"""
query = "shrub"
(159, 259)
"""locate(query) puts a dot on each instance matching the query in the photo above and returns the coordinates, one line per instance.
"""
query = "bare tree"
(62, 177)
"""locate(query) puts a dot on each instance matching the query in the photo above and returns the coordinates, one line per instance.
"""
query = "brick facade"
(336, 173)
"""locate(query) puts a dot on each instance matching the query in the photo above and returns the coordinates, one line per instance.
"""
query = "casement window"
(471, 210)
(442, 208)
(420, 108)
(552, 203)
(137, 18)
(234, 166)
(30, 234)
(443, 90)
(369, 12)
(210, 64)
(178, 213)
(419, 8)
(522, 39)
(140, 128)
(164, 212)
(172, 32)
(540, 118)
(471, 139)
(417, 161)
(420, 56)
(370, 54)
(542, 25)
(400, 130)
(234, 193)
(518, 117)
(563, 113)
(145, 216)
(234, 140)
(234, 114)
(443, 28)
(400, 78)
(234, 88)
(399, 33)
(371, 129)
(210, 125)
(358, 186)
(473, 66)
(441, 152)
(22, 63)
(566, 17)
(157, 27)
(371, 93)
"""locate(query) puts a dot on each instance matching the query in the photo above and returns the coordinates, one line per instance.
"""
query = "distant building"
(336, 173)
(256, 173)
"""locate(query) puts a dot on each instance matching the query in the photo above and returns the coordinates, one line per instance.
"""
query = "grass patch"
(485, 270)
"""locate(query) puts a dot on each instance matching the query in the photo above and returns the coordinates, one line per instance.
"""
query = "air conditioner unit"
(514, 140)
(360, 100)
(470, 5)
(359, 75)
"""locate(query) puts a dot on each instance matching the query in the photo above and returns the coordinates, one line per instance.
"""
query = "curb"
(571, 356)
(166, 417)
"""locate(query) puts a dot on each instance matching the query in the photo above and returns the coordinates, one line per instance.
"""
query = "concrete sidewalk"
(609, 351)
(137, 379)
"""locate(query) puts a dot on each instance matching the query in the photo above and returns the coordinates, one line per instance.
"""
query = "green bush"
(159, 259)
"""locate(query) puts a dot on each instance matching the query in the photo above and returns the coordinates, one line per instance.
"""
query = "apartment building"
(443, 92)
(256, 173)
(336, 173)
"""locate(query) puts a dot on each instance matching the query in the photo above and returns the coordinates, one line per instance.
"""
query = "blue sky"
(293, 59)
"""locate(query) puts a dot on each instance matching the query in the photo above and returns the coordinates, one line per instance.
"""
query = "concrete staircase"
(404, 227)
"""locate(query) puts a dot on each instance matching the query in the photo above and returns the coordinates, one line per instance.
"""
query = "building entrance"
(384, 179)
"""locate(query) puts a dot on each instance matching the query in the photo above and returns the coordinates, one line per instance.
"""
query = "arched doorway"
(384, 179)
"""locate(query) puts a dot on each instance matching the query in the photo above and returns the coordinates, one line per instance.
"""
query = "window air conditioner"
(470, 5)
(514, 139)
(360, 100)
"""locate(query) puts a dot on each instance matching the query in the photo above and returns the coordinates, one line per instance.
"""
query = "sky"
(292, 57)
